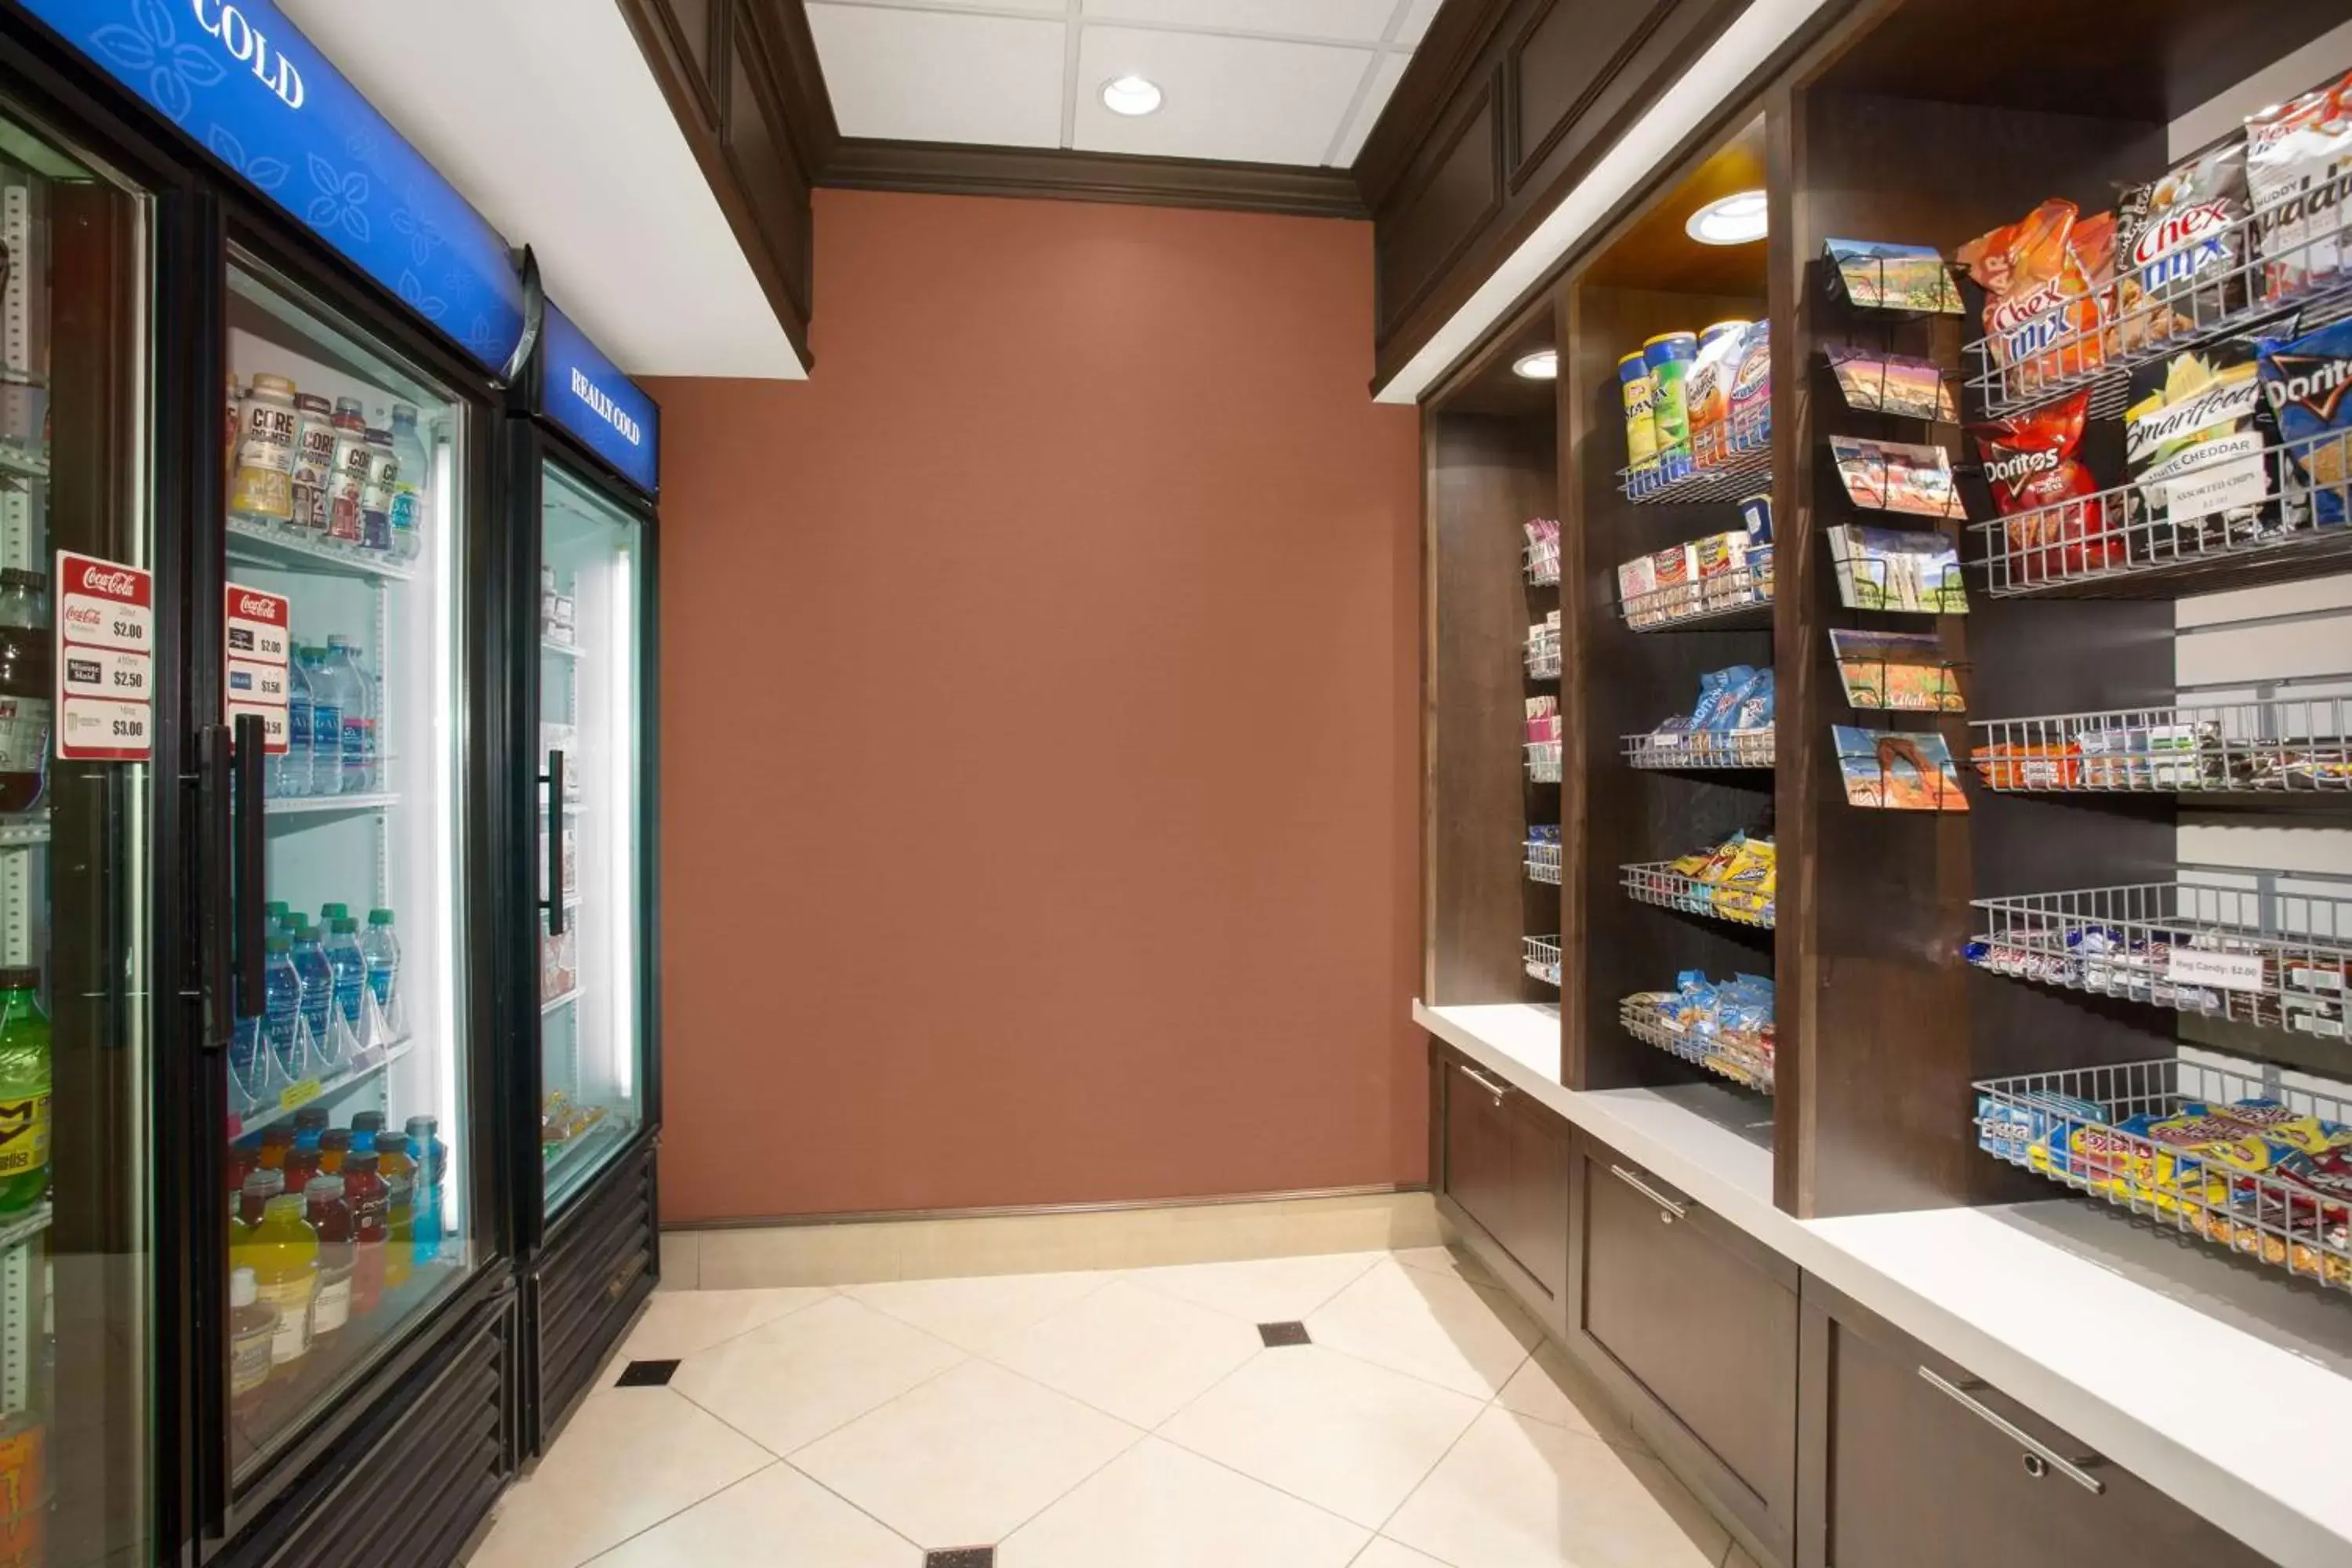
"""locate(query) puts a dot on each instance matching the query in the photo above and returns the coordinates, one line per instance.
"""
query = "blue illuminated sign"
(238, 78)
(586, 393)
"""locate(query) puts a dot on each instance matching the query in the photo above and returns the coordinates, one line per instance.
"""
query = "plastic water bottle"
(409, 496)
(349, 772)
(318, 981)
(281, 1012)
(289, 775)
(326, 753)
(380, 950)
(432, 1164)
(350, 969)
(368, 703)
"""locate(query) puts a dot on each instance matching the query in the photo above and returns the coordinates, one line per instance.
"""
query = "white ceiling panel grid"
(1264, 81)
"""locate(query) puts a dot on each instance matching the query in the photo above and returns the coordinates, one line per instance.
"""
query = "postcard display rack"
(2067, 919)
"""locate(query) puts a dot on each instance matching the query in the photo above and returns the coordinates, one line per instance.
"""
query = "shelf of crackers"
(1541, 957)
(1730, 725)
(1540, 553)
(2248, 953)
(2281, 745)
(1725, 1028)
(1540, 653)
(2224, 241)
(1722, 583)
(1542, 853)
(1737, 880)
(2209, 1151)
(2209, 313)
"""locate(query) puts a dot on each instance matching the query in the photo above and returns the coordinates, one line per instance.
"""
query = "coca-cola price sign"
(258, 652)
(106, 660)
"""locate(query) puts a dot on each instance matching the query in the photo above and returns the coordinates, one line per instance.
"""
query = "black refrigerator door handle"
(251, 758)
(554, 902)
(216, 889)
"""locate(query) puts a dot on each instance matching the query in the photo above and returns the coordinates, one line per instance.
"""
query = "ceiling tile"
(1350, 21)
(1247, 98)
(942, 76)
(1417, 18)
(1385, 76)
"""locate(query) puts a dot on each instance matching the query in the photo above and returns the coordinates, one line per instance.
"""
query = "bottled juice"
(242, 1162)
(284, 1249)
(301, 1164)
(310, 1124)
(399, 1171)
(253, 1199)
(25, 691)
(330, 1217)
(275, 1143)
(333, 1144)
(432, 1168)
(364, 1190)
(251, 1329)
(24, 1091)
(365, 1125)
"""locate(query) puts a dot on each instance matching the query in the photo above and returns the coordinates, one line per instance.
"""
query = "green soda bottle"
(24, 1091)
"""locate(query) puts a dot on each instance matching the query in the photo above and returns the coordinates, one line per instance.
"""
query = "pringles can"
(1668, 358)
(1641, 429)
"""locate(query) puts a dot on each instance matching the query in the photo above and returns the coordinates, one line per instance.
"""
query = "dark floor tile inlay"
(1282, 1333)
(961, 1557)
(647, 1374)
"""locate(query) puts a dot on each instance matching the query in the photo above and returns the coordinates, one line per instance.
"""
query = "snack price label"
(105, 661)
(2221, 970)
(273, 724)
(2217, 486)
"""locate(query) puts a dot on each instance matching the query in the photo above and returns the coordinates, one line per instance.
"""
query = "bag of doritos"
(2030, 466)
(2307, 382)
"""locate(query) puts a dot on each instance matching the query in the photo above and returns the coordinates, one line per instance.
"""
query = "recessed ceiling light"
(1131, 95)
(1731, 220)
(1541, 365)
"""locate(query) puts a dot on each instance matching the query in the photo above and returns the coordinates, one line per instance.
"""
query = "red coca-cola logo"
(115, 583)
(82, 616)
(258, 607)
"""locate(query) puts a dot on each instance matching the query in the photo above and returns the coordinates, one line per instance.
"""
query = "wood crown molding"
(1060, 174)
(1444, 58)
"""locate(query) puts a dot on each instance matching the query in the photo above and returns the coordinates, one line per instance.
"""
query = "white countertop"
(2227, 1391)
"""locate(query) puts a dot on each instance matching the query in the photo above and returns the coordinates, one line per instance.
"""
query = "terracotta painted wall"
(1038, 725)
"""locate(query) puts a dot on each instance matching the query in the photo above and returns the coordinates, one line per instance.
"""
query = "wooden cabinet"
(1502, 1163)
(1692, 1325)
(1910, 1462)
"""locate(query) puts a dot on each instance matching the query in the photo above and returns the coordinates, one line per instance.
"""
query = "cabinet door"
(1909, 1462)
(1693, 1325)
(1503, 1165)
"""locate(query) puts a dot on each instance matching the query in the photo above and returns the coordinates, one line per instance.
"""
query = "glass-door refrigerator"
(334, 341)
(582, 452)
(90, 944)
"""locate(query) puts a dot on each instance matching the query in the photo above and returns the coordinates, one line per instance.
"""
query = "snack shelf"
(1542, 564)
(2274, 746)
(263, 545)
(1746, 1069)
(2234, 1196)
(1543, 761)
(1542, 653)
(1738, 600)
(1657, 882)
(2212, 301)
(1542, 958)
(1542, 861)
(2251, 953)
(1675, 749)
(2138, 552)
(1747, 469)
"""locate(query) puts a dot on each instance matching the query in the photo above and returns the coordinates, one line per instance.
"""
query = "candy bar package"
(2030, 467)
(2196, 436)
(2179, 243)
(2299, 172)
(2308, 383)
(2046, 280)
(1879, 382)
(1894, 476)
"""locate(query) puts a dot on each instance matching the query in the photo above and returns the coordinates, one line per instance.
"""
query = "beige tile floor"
(1106, 1419)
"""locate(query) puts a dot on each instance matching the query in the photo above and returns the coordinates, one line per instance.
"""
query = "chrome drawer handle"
(2040, 1457)
(1483, 1081)
(1669, 1211)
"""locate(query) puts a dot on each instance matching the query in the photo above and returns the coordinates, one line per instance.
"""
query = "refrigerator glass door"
(591, 625)
(77, 1002)
(347, 1173)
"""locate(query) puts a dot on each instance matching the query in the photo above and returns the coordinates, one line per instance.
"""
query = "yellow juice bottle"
(283, 1253)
